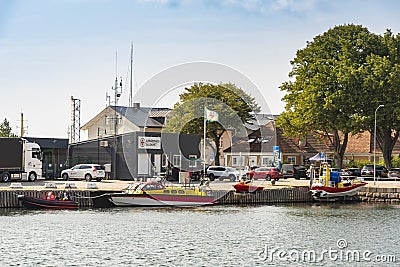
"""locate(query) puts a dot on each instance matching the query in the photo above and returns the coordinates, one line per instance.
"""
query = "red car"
(266, 173)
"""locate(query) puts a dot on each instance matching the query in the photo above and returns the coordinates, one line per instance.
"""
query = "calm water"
(206, 236)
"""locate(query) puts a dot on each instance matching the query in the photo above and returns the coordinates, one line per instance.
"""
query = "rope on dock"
(90, 197)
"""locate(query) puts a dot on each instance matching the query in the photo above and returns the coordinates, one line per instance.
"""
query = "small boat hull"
(325, 192)
(246, 188)
(39, 203)
(159, 200)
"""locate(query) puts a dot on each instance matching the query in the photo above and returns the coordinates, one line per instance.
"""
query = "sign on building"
(148, 142)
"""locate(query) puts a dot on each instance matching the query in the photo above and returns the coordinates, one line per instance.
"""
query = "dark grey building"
(55, 155)
(139, 154)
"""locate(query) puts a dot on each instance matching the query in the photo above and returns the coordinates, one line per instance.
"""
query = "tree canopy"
(5, 129)
(233, 105)
(381, 86)
(330, 91)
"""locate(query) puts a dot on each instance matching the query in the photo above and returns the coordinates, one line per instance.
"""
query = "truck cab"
(33, 162)
(20, 159)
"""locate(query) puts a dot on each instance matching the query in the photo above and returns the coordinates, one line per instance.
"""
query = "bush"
(358, 164)
(396, 162)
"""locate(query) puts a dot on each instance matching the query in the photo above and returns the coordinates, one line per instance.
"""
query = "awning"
(318, 157)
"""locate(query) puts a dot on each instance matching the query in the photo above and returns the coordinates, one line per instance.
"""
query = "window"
(234, 161)
(164, 160)
(177, 160)
(192, 161)
(252, 160)
(237, 161)
(267, 161)
(36, 153)
(291, 160)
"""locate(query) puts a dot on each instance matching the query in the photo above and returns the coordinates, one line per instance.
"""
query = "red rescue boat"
(247, 187)
(47, 203)
(329, 186)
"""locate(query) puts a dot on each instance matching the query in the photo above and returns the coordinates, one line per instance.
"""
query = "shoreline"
(94, 194)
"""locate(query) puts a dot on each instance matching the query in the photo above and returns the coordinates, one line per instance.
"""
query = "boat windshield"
(151, 186)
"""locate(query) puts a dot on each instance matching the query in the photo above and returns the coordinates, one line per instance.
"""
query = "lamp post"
(376, 110)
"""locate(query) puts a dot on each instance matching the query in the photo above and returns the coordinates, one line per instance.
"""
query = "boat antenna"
(131, 79)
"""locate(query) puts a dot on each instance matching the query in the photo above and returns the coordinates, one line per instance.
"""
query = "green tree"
(325, 86)
(5, 129)
(233, 105)
(381, 82)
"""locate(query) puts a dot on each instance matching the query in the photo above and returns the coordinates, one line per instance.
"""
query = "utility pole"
(117, 88)
(75, 120)
(22, 126)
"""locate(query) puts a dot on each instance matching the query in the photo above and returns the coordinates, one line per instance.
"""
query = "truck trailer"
(20, 159)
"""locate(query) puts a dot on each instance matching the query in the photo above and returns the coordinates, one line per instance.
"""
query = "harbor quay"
(95, 194)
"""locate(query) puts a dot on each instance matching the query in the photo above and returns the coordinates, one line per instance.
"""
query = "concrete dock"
(94, 194)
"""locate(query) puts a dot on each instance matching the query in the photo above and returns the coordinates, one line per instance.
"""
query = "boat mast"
(131, 79)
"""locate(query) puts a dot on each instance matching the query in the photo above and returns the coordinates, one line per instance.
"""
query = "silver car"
(84, 171)
(222, 172)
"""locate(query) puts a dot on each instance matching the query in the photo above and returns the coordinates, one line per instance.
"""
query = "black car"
(380, 171)
(293, 170)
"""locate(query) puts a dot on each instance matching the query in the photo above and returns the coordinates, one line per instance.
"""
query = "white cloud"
(256, 6)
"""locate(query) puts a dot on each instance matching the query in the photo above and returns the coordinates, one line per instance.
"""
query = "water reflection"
(202, 236)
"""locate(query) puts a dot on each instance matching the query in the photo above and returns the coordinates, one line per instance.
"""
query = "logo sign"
(147, 142)
(277, 159)
(211, 156)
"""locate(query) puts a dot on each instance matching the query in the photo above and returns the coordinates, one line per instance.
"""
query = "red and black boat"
(47, 203)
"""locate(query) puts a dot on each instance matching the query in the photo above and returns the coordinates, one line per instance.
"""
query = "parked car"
(267, 173)
(84, 171)
(368, 171)
(293, 170)
(394, 173)
(222, 172)
(351, 172)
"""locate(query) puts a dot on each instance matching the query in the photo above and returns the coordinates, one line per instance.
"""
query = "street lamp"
(376, 110)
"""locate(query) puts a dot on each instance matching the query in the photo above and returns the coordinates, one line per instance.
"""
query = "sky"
(51, 50)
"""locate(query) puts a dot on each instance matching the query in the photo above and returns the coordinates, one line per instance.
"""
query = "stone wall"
(380, 195)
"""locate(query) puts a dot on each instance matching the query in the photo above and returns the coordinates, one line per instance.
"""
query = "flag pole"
(204, 142)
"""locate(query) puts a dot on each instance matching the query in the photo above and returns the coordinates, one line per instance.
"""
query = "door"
(74, 171)
(157, 163)
(143, 164)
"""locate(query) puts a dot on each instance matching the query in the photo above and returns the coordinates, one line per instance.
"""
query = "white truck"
(19, 159)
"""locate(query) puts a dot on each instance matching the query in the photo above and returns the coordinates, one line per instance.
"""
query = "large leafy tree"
(5, 129)
(233, 105)
(325, 86)
(381, 76)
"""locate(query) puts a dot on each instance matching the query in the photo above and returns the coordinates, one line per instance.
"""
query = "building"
(119, 120)
(55, 155)
(256, 148)
(130, 140)
(140, 154)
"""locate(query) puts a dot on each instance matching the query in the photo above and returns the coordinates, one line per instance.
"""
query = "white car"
(222, 172)
(84, 171)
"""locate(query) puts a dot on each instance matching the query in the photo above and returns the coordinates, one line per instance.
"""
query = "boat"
(48, 202)
(247, 187)
(157, 194)
(330, 187)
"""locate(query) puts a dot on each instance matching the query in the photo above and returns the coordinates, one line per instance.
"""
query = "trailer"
(20, 159)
